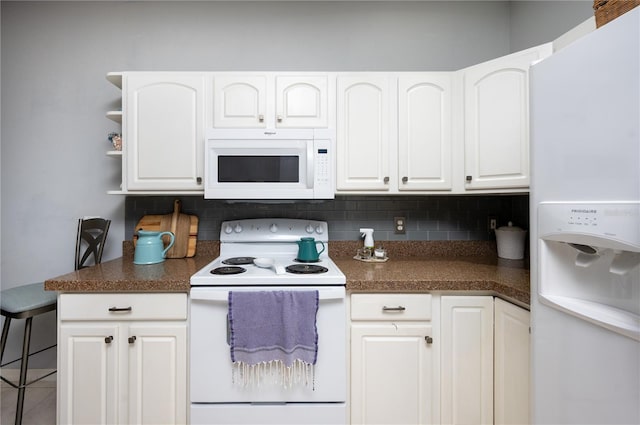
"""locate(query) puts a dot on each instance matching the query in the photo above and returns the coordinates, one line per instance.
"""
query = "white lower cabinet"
(512, 364)
(122, 358)
(423, 359)
(467, 359)
(393, 359)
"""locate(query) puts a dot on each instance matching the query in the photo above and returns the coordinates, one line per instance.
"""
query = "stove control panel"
(318, 229)
(272, 230)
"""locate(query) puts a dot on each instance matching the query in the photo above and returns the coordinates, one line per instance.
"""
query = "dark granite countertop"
(447, 266)
(121, 275)
(442, 266)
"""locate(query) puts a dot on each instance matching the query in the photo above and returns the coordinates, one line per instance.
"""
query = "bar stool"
(28, 301)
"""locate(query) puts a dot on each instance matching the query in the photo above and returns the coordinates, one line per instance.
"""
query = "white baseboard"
(13, 375)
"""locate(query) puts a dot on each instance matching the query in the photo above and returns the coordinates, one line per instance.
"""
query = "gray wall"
(536, 22)
(54, 94)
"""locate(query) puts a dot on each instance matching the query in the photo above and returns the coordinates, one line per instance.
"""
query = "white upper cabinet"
(396, 133)
(271, 100)
(363, 132)
(302, 101)
(240, 101)
(496, 120)
(424, 131)
(434, 132)
(164, 131)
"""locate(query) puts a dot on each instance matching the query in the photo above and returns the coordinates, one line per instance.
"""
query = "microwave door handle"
(310, 165)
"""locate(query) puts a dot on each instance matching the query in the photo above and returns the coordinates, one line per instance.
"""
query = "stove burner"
(306, 269)
(228, 270)
(238, 261)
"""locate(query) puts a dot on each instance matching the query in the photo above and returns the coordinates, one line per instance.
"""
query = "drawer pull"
(428, 340)
(119, 309)
(132, 339)
(108, 339)
(399, 308)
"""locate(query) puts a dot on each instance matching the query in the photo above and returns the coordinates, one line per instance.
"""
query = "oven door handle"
(216, 295)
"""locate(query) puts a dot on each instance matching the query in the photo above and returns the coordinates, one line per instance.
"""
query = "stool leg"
(23, 370)
(5, 333)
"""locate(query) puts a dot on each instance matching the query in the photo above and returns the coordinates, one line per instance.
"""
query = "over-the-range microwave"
(269, 164)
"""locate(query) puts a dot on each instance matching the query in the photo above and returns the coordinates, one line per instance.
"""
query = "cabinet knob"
(279, 118)
(468, 179)
(199, 180)
(108, 339)
(132, 339)
(428, 340)
(405, 179)
(386, 180)
(261, 118)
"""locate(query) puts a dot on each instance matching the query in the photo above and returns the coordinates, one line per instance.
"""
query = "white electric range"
(215, 398)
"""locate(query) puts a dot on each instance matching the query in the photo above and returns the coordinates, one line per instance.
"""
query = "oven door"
(211, 366)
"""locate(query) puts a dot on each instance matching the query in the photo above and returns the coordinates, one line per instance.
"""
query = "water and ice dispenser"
(589, 262)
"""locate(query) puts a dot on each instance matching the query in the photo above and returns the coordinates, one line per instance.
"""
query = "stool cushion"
(27, 297)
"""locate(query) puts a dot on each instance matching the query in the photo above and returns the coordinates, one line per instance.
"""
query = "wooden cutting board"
(183, 226)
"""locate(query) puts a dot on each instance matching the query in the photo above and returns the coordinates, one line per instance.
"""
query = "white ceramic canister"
(510, 240)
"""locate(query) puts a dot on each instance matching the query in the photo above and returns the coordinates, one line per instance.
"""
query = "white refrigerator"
(585, 229)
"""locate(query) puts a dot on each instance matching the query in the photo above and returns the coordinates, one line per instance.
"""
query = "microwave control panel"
(323, 173)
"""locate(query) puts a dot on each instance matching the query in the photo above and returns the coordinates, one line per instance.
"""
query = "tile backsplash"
(428, 218)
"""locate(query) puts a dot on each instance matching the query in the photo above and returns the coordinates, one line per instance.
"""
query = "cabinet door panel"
(88, 373)
(363, 133)
(424, 132)
(165, 133)
(512, 342)
(240, 101)
(467, 359)
(391, 374)
(157, 374)
(496, 109)
(301, 101)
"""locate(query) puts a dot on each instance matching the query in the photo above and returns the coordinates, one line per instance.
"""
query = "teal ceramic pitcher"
(150, 248)
(307, 251)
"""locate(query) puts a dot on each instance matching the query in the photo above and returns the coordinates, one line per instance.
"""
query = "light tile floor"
(39, 403)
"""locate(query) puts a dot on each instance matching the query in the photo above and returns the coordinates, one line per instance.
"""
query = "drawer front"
(134, 306)
(391, 307)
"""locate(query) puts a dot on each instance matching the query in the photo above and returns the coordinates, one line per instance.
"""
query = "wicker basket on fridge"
(608, 10)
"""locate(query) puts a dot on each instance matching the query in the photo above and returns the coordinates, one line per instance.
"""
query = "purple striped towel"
(269, 326)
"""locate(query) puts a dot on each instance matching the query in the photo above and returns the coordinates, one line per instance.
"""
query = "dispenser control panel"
(618, 221)
(583, 217)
